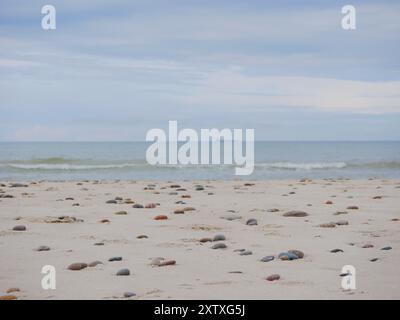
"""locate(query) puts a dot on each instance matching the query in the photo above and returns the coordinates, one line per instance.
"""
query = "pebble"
(205, 240)
(336, 250)
(111, 201)
(115, 259)
(328, 202)
(120, 213)
(18, 185)
(94, 263)
(99, 244)
(77, 266)
(179, 211)
(386, 248)
(365, 246)
(246, 253)
(273, 277)
(287, 256)
(273, 210)
(187, 196)
(43, 248)
(251, 222)
(295, 213)
(219, 246)
(19, 228)
(142, 236)
(189, 209)
(123, 272)
(167, 263)
(342, 223)
(219, 237)
(328, 225)
(352, 208)
(267, 258)
(374, 259)
(11, 290)
(199, 188)
(161, 217)
(104, 221)
(8, 297)
(340, 212)
(298, 253)
(231, 217)
(150, 206)
(137, 206)
(129, 294)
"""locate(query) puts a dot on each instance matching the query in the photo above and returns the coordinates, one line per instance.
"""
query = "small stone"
(342, 223)
(142, 236)
(156, 261)
(295, 213)
(298, 253)
(99, 244)
(219, 237)
(187, 196)
(273, 210)
(104, 221)
(352, 208)
(167, 263)
(374, 259)
(174, 186)
(365, 246)
(18, 185)
(94, 263)
(121, 213)
(43, 248)
(111, 201)
(287, 256)
(267, 258)
(161, 217)
(77, 266)
(11, 290)
(273, 277)
(199, 188)
(329, 202)
(19, 228)
(336, 250)
(189, 209)
(123, 272)
(179, 211)
(340, 212)
(129, 294)
(118, 198)
(150, 206)
(251, 222)
(231, 217)
(115, 259)
(205, 240)
(219, 245)
(137, 206)
(386, 248)
(246, 253)
(377, 197)
(328, 225)
(8, 297)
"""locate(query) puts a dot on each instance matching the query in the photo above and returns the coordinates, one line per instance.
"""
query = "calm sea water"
(126, 161)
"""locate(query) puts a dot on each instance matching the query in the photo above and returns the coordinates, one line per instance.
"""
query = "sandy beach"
(343, 222)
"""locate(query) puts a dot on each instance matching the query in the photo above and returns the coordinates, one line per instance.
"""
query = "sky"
(112, 70)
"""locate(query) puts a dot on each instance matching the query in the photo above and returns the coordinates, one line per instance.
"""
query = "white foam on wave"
(303, 166)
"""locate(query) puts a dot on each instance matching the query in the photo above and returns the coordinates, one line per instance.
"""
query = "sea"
(61, 161)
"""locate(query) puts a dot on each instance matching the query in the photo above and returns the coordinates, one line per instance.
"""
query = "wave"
(302, 166)
(61, 164)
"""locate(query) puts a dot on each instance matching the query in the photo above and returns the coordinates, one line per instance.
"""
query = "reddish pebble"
(161, 217)
(273, 277)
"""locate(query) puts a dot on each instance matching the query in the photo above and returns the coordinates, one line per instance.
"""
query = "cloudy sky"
(112, 70)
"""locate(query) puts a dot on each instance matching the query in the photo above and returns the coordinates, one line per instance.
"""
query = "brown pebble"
(150, 206)
(186, 196)
(352, 208)
(273, 277)
(205, 240)
(167, 263)
(329, 202)
(77, 266)
(161, 217)
(104, 221)
(328, 225)
(13, 290)
(179, 211)
(8, 297)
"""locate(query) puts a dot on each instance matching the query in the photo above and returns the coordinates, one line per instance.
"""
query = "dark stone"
(123, 272)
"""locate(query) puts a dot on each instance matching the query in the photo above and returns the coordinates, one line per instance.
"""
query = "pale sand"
(200, 272)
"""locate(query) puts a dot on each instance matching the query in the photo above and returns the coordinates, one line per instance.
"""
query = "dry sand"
(201, 272)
